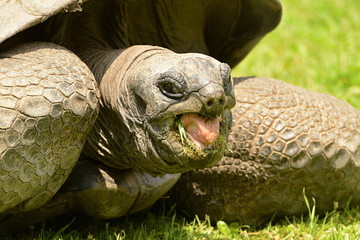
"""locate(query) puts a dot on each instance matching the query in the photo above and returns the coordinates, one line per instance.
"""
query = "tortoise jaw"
(196, 146)
(202, 131)
(178, 154)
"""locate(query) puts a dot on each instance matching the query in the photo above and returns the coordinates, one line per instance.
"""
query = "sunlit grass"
(166, 224)
(316, 46)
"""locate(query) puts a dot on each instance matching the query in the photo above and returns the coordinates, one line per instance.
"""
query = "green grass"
(166, 224)
(182, 131)
(317, 47)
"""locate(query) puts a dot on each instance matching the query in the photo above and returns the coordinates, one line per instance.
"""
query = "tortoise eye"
(170, 88)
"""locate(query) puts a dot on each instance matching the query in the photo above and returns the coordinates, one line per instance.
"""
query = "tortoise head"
(163, 112)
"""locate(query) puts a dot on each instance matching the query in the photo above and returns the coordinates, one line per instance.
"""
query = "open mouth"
(198, 131)
(191, 141)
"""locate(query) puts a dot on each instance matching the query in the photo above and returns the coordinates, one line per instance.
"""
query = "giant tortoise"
(95, 102)
(96, 89)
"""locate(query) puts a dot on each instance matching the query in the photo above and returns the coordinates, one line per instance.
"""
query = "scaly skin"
(136, 129)
(144, 89)
(98, 191)
(284, 139)
(47, 108)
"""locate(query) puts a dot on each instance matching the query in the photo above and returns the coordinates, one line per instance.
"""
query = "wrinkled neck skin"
(116, 138)
(121, 135)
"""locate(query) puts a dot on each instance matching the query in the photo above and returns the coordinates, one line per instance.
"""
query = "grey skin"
(143, 91)
(285, 142)
(284, 139)
(87, 92)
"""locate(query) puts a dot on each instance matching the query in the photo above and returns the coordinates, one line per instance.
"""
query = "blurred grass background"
(316, 46)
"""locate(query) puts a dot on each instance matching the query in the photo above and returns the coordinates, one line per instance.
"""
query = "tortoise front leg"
(105, 193)
(48, 103)
(99, 191)
(284, 139)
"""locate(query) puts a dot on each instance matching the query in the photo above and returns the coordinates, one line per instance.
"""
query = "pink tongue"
(202, 131)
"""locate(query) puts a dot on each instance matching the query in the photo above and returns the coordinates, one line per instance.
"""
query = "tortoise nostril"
(213, 99)
(210, 103)
(221, 101)
(215, 103)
